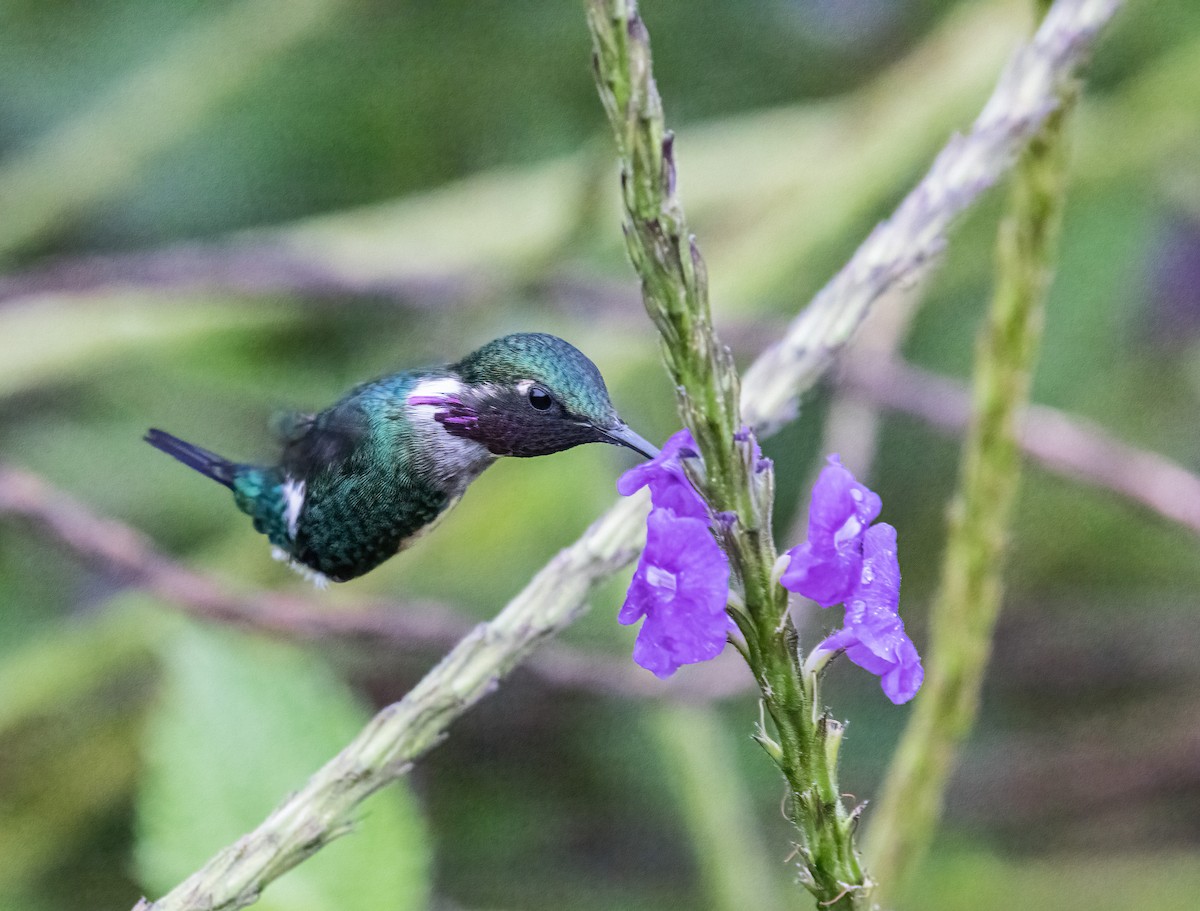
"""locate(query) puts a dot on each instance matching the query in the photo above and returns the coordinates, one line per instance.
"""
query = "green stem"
(736, 482)
(965, 609)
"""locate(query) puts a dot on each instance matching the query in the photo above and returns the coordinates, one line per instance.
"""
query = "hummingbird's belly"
(437, 520)
(349, 534)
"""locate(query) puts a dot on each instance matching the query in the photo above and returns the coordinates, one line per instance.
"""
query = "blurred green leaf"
(54, 337)
(77, 657)
(241, 723)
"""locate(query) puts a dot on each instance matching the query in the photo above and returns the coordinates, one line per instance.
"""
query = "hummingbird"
(363, 479)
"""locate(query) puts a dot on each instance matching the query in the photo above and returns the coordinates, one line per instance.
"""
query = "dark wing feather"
(313, 442)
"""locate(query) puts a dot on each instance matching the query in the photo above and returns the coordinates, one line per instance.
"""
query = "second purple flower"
(844, 560)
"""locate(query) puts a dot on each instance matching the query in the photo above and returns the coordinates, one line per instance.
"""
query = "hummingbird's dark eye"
(539, 398)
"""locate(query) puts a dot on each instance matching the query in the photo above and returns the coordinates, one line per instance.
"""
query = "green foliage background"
(445, 164)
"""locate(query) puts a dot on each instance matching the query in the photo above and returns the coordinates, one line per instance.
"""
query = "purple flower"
(669, 486)
(873, 636)
(680, 586)
(845, 561)
(826, 567)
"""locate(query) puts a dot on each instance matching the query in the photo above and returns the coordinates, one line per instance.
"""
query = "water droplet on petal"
(661, 578)
(850, 530)
(856, 494)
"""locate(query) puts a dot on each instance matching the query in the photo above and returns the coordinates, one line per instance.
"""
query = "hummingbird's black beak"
(621, 435)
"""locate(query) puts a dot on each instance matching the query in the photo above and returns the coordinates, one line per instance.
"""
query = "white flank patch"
(434, 386)
(319, 580)
(451, 461)
(293, 502)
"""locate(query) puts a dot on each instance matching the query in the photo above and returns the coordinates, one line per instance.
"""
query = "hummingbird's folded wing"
(319, 442)
(289, 426)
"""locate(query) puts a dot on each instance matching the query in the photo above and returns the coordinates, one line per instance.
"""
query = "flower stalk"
(965, 609)
(736, 481)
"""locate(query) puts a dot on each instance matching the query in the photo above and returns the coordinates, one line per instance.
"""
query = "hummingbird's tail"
(207, 463)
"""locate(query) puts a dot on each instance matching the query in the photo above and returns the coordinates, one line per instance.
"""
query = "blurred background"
(213, 210)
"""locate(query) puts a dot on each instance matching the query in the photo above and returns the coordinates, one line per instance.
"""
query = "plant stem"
(968, 601)
(736, 480)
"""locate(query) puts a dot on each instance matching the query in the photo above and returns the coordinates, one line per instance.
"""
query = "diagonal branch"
(125, 554)
(1060, 442)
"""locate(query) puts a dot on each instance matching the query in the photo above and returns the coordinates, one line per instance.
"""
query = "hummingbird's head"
(532, 394)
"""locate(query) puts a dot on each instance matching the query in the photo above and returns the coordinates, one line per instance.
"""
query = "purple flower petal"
(825, 579)
(873, 636)
(878, 588)
(680, 587)
(664, 475)
(826, 567)
(680, 445)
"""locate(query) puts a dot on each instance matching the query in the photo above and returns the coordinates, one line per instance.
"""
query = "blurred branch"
(97, 153)
(251, 266)
(125, 554)
(804, 173)
(1063, 443)
(896, 252)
